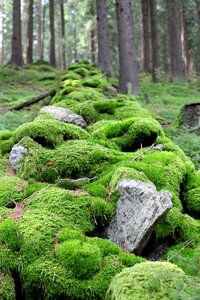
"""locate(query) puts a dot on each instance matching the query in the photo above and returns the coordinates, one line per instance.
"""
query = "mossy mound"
(7, 287)
(192, 199)
(152, 280)
(49, 132)
(6, 141)
(11, 189)
(128, 135)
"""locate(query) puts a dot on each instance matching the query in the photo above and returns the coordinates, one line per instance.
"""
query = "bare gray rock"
(190, 114)
(65, 115)
(139, 208)
(16, 154)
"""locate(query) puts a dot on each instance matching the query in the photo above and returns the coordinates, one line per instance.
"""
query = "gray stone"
(65, 115)
(191, 115)
(139, 208)
(16, 154)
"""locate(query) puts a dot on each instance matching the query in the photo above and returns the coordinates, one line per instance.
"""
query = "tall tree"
(102, 36)
(145, 34)
(198, 38)
(40, 13)
(128, 82)
(63, 48)
(29, 54)
(1, 31)
(16, 55)
(185, 35)
(175, 42)
(154, 40)
(52, 34)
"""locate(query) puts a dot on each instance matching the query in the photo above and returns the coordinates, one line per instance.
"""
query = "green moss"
(82, 96)
(71, 75)
(7, 287)
(10, 189)
(193, 180)
(95, 81)
(126, 173)
(49, 132)
(184, 257)
(49, 174)
(5, 134)
(67, 234)
(83, 259)
(128, 134)
(34, 187)
(9, 235)
(156, 280)
(192, 199)
(6, 141)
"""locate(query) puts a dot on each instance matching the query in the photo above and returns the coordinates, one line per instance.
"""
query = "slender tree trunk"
(40, 30)
(63, 48)
(75, 35)
(52, 34)
(16, 56)
(198, 39)
(154, 40)
(175, 43)
(29, 55)
(1, 31)
(128, 82)
(93, 45)
(185, 35)
(145, 34)
(102, 36)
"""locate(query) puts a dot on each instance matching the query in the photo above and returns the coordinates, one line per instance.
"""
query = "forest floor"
(164, 100)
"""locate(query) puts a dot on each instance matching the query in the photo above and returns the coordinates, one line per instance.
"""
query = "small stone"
(16, 154)
(139, 209)
(65, 115)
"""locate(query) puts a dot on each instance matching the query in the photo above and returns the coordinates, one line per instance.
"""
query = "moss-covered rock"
(11, 188)
(192, 199)
(49, 132)
(7, 287)
(152, 280)
(6, 141)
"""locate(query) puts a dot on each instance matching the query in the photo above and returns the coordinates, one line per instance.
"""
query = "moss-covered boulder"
(153, 280)
(11, 189)
(7, 287)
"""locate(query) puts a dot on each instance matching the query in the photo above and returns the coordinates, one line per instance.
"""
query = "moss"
(126, 173)
(9, 235)
(71, 75)
(5, 135)
(7, 287)
(193, 180)
(11, 188)
(156, 280)
(82, 96)
(67, 234)
(128, 134)
(188, 259)
(49, 132)
(34, 187)
(192, 199)
(81, 258)
(95, 81)
(49, 174)
(6, 141)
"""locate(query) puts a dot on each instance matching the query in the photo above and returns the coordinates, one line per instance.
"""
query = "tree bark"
(145, 33)
(40, 30)
(102, 37)
(128, 82)
(198, 39)
(63, 48)
(52, 34)
(16, 55)
(154, 40)
(175, 43)
(29, 55)
(1, 31)
(93, 45)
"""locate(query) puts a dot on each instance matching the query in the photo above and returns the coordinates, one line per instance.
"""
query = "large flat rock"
(139, 208)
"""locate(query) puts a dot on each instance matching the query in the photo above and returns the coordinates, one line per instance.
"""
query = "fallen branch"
(34, 100)
(136, 158)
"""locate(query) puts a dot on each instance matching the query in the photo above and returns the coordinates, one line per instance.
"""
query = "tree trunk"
(154, 40)
(16, 56)
(198, 39)
(185, 35)
(40, 30)
(175, 43)
(102, 36)
(52, 34)
(1, 31)
(29, 55)
(93, 45)
(63, 48)
(145, 34)
(128, 81)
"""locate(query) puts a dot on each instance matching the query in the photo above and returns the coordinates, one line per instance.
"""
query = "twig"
(185, 246)
(136, 158)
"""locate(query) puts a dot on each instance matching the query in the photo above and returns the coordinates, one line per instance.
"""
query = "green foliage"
(192, 199)
(82, 258)
(156, 280)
